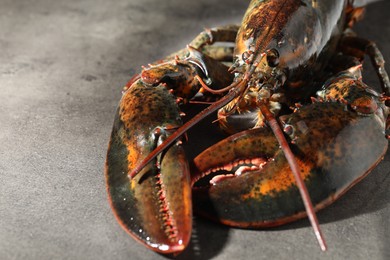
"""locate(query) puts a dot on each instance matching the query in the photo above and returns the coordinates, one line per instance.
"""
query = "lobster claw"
(336, 143)
(155, 206)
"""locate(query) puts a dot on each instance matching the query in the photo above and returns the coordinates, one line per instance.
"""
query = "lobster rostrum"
(290, 92)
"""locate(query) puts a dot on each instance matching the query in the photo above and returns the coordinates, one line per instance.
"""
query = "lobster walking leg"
(204, 43)
(359, 47)
(219, 34)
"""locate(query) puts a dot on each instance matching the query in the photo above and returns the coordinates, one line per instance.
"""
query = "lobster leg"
(218, 34)
(204, 43)
(336, 143)
(341, 62)
(359, 47)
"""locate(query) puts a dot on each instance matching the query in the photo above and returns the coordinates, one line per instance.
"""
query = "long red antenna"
(295, 169)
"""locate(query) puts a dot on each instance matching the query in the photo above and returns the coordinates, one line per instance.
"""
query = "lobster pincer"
(155, 207)
(337, 140)
(145, 117)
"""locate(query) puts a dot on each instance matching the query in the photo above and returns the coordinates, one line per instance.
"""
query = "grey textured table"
(62, 67)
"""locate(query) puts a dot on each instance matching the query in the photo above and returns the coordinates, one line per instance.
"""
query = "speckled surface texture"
(62, 67)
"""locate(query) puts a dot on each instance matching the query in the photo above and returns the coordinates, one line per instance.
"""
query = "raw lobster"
(291, 95)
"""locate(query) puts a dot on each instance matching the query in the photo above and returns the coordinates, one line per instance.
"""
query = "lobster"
(291, 97)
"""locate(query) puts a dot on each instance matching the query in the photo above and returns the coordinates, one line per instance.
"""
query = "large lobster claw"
(155, 206)
(336, 142)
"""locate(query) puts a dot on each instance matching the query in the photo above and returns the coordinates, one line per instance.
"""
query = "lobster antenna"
(295, 169)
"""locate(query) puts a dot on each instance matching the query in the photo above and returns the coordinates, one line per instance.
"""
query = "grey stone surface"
(62, 67)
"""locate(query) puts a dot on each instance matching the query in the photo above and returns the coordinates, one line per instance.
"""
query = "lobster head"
(270, 48)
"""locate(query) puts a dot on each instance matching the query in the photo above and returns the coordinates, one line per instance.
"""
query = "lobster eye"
(273, 58)
(247, 56)
(288, 129)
